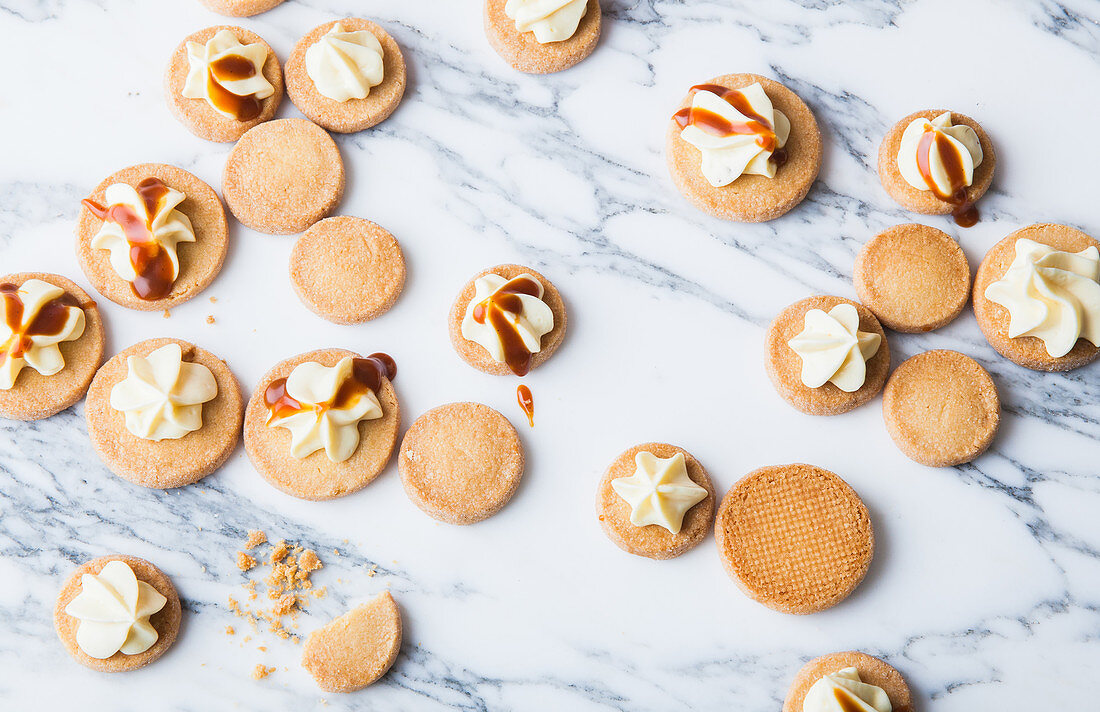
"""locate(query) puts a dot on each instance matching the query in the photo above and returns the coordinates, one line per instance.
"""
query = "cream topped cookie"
(547, 20)
(542, 36)
(38, 317)
(659, 492)
(844, 691)
(161, 396)
(848, 682)
(833, 349)
(113, 608)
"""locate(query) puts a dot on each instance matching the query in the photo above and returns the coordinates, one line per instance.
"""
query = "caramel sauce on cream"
(964, 212)
(230, 68)
(49, 320)
(717, 125)
(366, 374)
(495, 309)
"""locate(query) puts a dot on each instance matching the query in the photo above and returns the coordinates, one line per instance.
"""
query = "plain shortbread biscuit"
(357, 648)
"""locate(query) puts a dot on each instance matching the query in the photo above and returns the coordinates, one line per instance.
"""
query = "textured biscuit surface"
(241, 8)
(199, 261)
(357, 648)
(35, 396)
(166, 621)
(941, 408)
(653, 540)
(871, 670)
(796, 537)
(914, 278)
(1027, 351)
(347, 270)
(283, 176)
(461, 462)
(525, 53)
(354, 114)
(751, 198)
(316, 476)
(784, 366)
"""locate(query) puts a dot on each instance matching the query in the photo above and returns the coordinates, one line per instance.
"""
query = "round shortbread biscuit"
(914, 278)
(871, 671)
(34, 396)
(357, 648)
(166, 621)
(927, 202)
(1027, 351)
(199, 261)
(241, 8)
(166, 463)
(316, 476)
(283, 176)
(941, 408)
(784, 366)
(527, 54)
(475, 354)
(461, 462)
(197, 115)
(653, 540)
(751, 198)
(347, 270)
(354, 114)
(796, 537)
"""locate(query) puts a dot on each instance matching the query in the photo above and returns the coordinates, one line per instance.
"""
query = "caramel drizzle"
(845, 700)
(231, 68)
(366, 374)
(49, 320)
(526, 402)
(151, 262)
(496, 308)
(720, 126)
(965, 213)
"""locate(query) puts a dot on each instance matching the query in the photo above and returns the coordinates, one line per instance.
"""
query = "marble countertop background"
(985, 587)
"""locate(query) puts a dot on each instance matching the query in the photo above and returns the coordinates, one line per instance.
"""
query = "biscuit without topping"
(357, 648)
(166, 463)
(461, 462)
(241, 8)
(35, 396)
(653, 540)
(795, 537)
(166, 621)
(750, 198)
(914, 278)
(354, 114)
(197, 115)
(283, 176)
(1027, 351)
(527, 54)
(199, 261)
(784, 365)
(925, 201)
(347, 270)
(316, 476)
(475, 354)
(941, 408)
(871, 671)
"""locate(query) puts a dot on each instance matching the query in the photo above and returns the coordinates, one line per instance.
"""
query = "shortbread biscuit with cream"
(873, 675)
(539, 37)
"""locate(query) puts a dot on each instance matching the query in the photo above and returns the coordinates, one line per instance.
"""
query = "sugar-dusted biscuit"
(346, 115)
(750, 198)
(872, 671)
(941, 408)
(197, 114)
(523, 50)
(357, 648)
(283, 176)
(33, 396)
(241, 8)
(171, 461)
(347, 270)
(461, 462)
(796, 538)
(653, 540)
(166, 621)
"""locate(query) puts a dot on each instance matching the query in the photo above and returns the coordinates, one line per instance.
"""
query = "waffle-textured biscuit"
(347, 270)
(461, 462)
(316, 476)
(357, 648)
(166, 621)
(199, 261)
(1027, 351)
(941, 408)
(527, 54)
(784, 366)
(653, 540)
(35, 396)
(751, 198)
(354, 114)
(914, 278)
(796, 537)
(241, 8)
(197, 115)
(171, 462)
(871, 671)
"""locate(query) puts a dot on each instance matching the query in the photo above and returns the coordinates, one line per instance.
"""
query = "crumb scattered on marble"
(255, 538)
(213, 300)
(244, 561)
(209, 318)
(167, 314)
(229, 630)
(260, 672)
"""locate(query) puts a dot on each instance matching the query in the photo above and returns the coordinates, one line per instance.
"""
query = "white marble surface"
(985, 587)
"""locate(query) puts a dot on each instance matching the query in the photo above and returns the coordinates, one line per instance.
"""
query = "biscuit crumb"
(213, 300)
(209, 318)
(308, 561)
(335, 552)
(262, 648)
(260, 672)
(255, 538)
(229, 630)
(244, 561)
(280, 551)
(167, 314)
